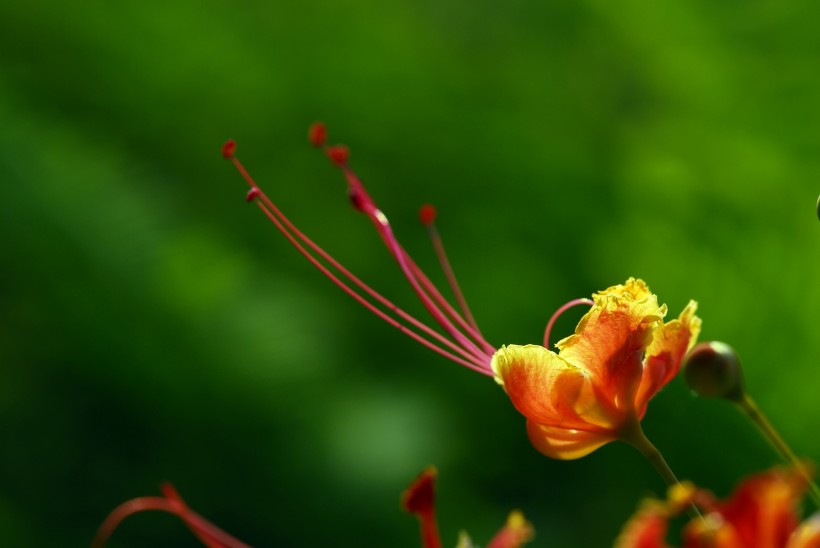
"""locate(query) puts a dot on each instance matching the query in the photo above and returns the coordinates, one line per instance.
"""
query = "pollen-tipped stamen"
(560, 311)
(427, 216)
(472, 364)
(436, 304)
(426, 292)
(317, 134)
(228, 149)
(294, 236)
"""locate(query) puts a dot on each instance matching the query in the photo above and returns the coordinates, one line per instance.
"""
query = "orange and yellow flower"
(602, 378)
(594, 390)
(763, 512)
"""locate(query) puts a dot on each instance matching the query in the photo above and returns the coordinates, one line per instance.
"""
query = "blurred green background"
(155, 327)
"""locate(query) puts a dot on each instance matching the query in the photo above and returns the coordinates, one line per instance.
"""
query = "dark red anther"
(427, 214)
(338, 154)
(317, 134)
(228, 149)
(252, 194)
(356, 199)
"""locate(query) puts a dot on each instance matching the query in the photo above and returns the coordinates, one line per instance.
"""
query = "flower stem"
(632, 433)
(750, 408)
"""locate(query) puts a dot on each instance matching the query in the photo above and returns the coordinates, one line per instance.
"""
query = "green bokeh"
(155, 327)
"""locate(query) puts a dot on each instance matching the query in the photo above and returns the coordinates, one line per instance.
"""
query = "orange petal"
(610, 339)
(548, 390)
(669, 345)
(563, 443)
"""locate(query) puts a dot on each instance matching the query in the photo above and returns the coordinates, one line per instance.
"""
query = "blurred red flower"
(763, 512)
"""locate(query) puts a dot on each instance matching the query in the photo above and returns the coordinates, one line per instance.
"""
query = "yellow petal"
(548, 390)
(610, 340)
(669, 345)
(563, 443)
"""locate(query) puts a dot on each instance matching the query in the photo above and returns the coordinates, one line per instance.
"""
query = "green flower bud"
(712, 369)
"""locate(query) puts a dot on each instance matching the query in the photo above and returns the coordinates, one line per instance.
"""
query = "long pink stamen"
(475, 365)
(404, 261)
(427, 216)
(560, 311)
(436, 295)
(469, 325)
(430, 296)
(289, 230)
(211, 535)
(362, 201)
(273, 210)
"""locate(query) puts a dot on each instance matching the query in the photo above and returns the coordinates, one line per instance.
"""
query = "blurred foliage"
(155, 327)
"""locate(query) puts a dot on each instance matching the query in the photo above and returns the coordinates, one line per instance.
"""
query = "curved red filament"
(560, 311)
